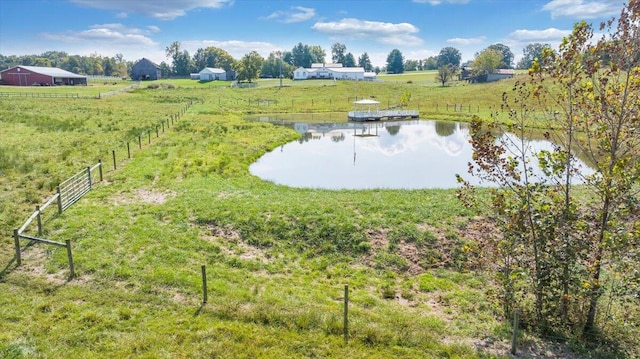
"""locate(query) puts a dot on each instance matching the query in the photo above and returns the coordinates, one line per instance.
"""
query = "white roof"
(370, 74)
(366, 101)
(213, 70)
(50, 71)
(348, 69)
(329, 65)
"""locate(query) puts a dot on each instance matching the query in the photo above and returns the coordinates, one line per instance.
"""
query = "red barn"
(40, 76)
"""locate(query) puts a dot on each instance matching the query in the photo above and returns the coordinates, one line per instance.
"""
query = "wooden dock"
(378, 115)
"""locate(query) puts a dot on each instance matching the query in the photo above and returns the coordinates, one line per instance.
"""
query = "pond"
(416, 154)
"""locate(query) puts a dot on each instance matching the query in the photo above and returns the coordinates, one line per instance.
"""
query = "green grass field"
(277, 258)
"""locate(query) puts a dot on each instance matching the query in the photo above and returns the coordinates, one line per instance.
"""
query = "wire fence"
(69, 192)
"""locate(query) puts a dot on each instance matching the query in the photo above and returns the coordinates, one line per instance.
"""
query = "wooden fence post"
(346, 313)
(39, 218)
(204, 284)
(149, 136)
(89, 176)
(16, 240)
(514, 339)
(128, 151)
(59, 200)
(70, 256)
(100, 169)
(139, 142)
(114, 159)
(162, 126)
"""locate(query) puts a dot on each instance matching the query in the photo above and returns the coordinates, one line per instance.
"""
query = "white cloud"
(402, 34)
(581, 9)
(542, 36)
(467, 41)
(235, 48)
(116, 34)
(159, 9)
(438, 2)
(296, 14)
(419, 55)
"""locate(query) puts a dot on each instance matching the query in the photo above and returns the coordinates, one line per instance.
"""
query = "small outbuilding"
(215, 73)
(40, 76)
(145, 69)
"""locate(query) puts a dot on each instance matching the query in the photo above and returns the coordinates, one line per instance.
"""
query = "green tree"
(274, 65)
(108, 66)
(449, 56)
(301, 56)
(445, 74)
(411, 65)
(317, 54)
(349, 60)
(248, 68)
(507, 55)
(338, 53)
(430, 63)
(365, 62)
(213, 57)
(530, 53)
(487, 61)
(395, 62)
(183, 64)
(556, 244)
(121, 67)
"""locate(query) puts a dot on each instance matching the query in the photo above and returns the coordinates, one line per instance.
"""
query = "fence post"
(114, 159)
(39, 218)
(100, 168)
(128, 151)
(89, 176)
(149, 136)
(157, 133)
(16, 240)
(59, 200)
(70, 256)
(162, 126)
(139, 142)
(346, 313)
(514, 339)
(204, 284)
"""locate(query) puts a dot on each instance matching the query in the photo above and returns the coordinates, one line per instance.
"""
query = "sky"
(418, 28)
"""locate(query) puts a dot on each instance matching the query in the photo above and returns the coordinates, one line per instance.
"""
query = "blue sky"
(418, 28)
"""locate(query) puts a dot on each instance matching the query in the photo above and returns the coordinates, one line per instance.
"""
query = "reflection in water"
(355, 155)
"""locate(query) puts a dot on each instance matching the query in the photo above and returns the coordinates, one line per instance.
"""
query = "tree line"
(93, 64)
(279, 63)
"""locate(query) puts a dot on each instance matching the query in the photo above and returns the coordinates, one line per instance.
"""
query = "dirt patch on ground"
(443, 247)
(232, 244)
(34, 260)
(142, 196)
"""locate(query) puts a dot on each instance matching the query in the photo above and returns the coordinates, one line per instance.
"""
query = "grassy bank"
(277, 258)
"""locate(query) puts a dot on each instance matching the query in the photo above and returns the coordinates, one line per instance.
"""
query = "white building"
(331, 71)
(213, 73)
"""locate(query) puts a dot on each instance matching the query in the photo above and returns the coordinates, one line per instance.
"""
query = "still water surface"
(413, 154)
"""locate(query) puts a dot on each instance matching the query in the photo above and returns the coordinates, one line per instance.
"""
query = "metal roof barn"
(40, 76)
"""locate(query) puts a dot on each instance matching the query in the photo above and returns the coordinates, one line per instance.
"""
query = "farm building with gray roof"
(40, 76)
